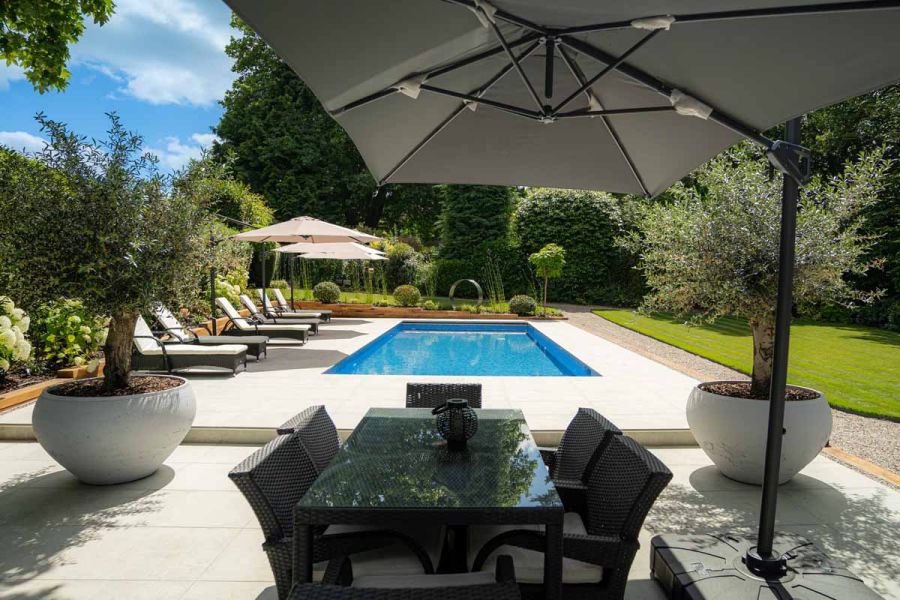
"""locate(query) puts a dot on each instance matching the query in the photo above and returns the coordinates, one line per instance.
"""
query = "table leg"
(553, 562)
(303, 553)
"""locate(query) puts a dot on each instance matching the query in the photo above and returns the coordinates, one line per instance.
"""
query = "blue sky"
(160, 64)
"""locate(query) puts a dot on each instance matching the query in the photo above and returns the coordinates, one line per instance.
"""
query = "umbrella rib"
(753, 13)
(476, 95)
(522, 112)
(612, 112)
(449, 68)
(607, 69)
(656, 85)
(519, 69)
(579, 76)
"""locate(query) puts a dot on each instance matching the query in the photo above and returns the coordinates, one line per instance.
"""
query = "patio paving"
(187, 533)
(633, 391)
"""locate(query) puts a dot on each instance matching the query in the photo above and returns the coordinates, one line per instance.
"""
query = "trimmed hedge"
(522, 305)
(584, 223)
(407, 295)
(327, 292)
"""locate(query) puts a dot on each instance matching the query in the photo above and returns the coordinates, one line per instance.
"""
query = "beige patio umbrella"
(305, 229)
(330, 251)
(333, 251)
(302, 229)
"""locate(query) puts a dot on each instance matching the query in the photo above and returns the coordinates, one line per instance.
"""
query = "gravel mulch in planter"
(139, 385)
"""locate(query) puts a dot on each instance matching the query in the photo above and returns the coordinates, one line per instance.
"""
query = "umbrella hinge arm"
(793, 160)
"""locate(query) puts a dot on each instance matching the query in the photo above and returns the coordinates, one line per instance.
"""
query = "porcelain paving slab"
(186, 533)
(633, 391)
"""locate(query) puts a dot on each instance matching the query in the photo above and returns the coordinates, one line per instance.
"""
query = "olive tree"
(93, 220)
(711, 248)
(548, 263)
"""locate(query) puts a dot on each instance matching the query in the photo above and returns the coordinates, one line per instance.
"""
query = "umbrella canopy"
(335, 251)
(305, 229)
(618, 96)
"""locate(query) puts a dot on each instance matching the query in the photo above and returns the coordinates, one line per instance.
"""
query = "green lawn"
(857, 368)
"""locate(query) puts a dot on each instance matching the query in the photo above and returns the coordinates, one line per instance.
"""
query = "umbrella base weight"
(714, 567)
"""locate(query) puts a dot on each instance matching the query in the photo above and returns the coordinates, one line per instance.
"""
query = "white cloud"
(205, 139)
(163, 51)
(8, 74)
(22, 141)
(176, 154)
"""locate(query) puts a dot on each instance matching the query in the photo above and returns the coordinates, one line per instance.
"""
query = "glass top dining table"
(395, 468)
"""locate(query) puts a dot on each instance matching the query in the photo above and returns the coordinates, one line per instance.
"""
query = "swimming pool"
(424, 348)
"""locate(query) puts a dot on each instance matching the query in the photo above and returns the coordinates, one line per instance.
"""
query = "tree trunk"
(546, 279)
(763, 356)
(117, 351)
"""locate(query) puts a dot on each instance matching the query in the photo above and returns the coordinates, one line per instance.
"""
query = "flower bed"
(398, 312)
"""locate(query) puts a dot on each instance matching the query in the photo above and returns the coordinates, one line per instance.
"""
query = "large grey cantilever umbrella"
(618, 95)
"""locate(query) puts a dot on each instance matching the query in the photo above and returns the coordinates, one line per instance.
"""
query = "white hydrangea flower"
(20, 337)
(25, 323)
(85, 329)
(7, 338)
(17, 314)
(93, 365)
(77, 361)
(22, 350)
(5, 322)
(4, 364)
(6, 305)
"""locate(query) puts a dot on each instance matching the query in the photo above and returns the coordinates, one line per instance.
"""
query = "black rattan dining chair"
(317, 432)
(431, 395)
(587, 433)
(338, 584)
(600, 531)
(273, 479)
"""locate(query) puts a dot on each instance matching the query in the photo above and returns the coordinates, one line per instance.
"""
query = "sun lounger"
(285, 320)
(152, 354)
(256, 344)
(238, 325)
(283, 306)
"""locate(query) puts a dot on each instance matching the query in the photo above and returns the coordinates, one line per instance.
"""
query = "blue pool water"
(463, 349)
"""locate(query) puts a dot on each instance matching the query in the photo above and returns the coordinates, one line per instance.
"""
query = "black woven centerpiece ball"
(456, 422)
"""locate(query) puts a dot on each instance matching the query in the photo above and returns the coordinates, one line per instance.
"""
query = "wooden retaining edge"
(368, 310)
(863, 464)
(26, 394)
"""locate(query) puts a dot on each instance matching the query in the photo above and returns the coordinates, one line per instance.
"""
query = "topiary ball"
(327, 292)
(522, 305)
(407, 295)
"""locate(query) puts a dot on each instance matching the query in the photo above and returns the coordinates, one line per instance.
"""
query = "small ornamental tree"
(712, 250)
(94, 221)
(548, 263)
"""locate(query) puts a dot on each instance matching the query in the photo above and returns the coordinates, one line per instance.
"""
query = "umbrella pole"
(212, 298)
(761, 559)
(291, 266)
(262, 275)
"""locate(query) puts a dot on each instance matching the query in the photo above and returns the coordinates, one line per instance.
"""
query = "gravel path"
(875, 440)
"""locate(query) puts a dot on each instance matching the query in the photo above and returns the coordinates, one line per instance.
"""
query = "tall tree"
(713, 250)
(472, 216)
(837, 135)
(36, 35)
(279, 140)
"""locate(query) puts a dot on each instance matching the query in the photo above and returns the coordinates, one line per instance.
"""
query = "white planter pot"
(732, 432)
(114, 439)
